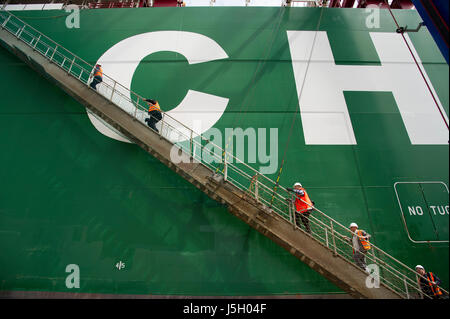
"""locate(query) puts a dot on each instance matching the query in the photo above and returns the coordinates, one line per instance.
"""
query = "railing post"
(201, 147)
(162, 125)
(53, 54)
(136, 107)
(292, 206)
(19, 32)
(71, 65)
(194, 149)
(374, 257)
(334, 239)
(191, 146)
(326, 237)
(406, 288)
(225, 169)
(6, 21)
(290, 210)
(39, 37)
(256, 188)
(420, 288)
(113, 89)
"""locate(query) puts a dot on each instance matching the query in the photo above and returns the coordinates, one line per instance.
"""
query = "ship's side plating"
(71, 195)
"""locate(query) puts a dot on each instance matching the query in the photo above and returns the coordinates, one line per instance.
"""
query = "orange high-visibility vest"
(364, 243)
(300, 206)
(154, 107)
(98, 72)
(436, 291)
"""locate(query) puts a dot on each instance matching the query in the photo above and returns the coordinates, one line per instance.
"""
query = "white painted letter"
(373, 19)
(211, 152)
(373, 280)
(321, 85)
(73, 19)
(411, 210)
(73, 280)
(419, 210)
(240, 135)
(272, 159)
(433, 208)
(121, 61)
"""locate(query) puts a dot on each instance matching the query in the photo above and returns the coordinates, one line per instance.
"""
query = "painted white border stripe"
(403, 215)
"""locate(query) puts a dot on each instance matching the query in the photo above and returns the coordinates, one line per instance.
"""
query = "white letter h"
(321, 84)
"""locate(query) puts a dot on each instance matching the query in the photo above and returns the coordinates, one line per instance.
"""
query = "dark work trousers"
(360, 259)
(305, 220)
(95, 81)
(155, 117)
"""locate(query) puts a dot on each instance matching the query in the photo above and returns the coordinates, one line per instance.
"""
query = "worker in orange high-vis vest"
(360, 244)
(303, 205)
(154, 110)
(429, 283)
(98, 76)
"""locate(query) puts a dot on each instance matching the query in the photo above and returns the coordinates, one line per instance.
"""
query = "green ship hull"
(71, 195)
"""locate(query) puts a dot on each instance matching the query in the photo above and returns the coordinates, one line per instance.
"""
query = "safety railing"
(113, 4)
(331, 234)
(383, 267)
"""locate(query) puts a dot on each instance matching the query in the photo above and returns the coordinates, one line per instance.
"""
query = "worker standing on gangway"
(303, 205)
(154, 110)
(98, 76)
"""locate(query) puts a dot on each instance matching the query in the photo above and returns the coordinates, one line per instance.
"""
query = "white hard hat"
(297, 184)
(420, 266)
(353, 225)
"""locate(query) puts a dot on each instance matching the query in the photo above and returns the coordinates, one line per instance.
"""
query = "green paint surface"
(69, 195)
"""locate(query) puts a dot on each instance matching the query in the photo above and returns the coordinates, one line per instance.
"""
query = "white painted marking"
(73, 279)
(121, 61)
(120, 265)
(403, 214)
(198, 111)
(320, 85)
(105, 128)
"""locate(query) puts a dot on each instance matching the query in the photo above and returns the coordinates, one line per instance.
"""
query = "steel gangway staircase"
(249, 195)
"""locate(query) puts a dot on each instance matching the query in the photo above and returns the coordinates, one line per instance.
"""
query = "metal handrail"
(268, 192)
